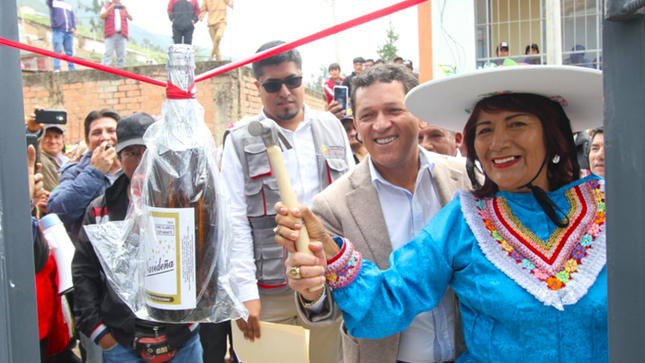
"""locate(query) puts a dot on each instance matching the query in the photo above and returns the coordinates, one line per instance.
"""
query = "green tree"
(96, 24)
(387, 52)
(317, 79)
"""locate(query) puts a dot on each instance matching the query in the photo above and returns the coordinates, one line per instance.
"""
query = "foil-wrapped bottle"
(180, 203)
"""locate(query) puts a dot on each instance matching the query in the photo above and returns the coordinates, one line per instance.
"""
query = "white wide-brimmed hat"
(447, 102)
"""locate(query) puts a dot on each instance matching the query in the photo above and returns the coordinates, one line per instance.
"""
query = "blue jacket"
(79, 184)
(61, 15)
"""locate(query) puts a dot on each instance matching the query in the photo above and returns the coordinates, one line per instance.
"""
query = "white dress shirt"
(430, 336)
(301, 164)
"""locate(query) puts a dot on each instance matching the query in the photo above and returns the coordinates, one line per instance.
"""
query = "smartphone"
(118, 6)
(33, 141)
(51, 117)
(340, 96)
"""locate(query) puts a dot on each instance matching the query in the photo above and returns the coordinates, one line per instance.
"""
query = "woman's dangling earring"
(556, 159)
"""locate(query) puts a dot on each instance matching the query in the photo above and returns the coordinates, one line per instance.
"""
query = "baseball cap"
(130, 130)
(60, 128)
(407, 62)
(502, 45)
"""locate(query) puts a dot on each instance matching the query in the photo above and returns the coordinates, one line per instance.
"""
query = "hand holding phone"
(341, 96)
(119, 6)
(103, 157)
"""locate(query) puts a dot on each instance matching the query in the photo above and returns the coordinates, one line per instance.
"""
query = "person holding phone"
(115, 17)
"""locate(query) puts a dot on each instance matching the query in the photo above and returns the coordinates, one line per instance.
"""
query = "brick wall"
(225, 98)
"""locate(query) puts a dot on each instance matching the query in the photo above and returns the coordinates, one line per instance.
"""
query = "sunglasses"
(276, 85)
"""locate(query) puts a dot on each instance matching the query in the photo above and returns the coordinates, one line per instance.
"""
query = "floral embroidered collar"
(557, 271)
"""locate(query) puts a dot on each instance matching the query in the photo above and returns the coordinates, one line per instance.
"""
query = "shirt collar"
(425, 164)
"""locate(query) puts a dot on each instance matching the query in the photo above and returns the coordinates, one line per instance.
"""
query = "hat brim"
(122, 145)
(447, 102)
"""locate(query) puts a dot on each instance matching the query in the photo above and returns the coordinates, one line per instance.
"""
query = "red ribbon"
(175, 93)
(82, 62)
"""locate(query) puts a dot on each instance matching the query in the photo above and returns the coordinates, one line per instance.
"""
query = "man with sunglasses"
(320, 154)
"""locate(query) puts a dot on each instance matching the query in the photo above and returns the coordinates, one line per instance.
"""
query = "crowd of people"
(440, 235)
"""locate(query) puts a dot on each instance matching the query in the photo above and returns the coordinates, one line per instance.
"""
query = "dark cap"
(58, 127)
(358, 60)
(130, 130)
(407, 62)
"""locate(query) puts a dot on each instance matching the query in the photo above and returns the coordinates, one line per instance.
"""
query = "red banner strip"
(308, 39)
(82, 62)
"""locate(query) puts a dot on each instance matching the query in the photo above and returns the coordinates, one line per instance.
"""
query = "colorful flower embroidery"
(586, 240)
(540, 274)
(528, 264)
(571, 266)
(578, 253)
(554, 283)
(541, 257)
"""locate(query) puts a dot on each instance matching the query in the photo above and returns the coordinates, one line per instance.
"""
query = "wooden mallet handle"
(288, 197)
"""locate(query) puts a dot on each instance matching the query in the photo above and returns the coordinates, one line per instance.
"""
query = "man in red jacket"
(183, 14)
(115, 17)
(334, 80)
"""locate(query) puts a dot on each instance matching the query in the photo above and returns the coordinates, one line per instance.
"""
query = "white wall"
(453, 39)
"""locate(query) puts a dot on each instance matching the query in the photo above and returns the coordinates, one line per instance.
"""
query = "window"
(518, 23)
(581, 35)
(522, 24)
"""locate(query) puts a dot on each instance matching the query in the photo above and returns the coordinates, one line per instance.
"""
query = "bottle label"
(170, 259)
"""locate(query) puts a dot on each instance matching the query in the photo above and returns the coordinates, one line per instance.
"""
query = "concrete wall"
(225, 98)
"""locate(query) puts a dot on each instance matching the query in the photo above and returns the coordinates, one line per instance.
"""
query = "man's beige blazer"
(350, 207)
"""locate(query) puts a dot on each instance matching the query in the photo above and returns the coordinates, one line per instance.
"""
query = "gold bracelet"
(307, 305)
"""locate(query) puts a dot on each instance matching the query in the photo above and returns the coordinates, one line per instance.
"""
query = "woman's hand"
(311, 268)
(289, 227)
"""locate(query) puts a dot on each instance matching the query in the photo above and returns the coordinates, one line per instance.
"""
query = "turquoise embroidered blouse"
(528, 291)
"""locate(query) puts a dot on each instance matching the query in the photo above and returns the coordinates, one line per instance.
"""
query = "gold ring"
(294, 272)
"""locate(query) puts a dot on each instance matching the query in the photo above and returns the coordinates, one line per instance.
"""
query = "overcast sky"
(254, 22)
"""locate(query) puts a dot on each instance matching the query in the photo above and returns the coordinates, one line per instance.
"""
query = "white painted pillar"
(553, 32)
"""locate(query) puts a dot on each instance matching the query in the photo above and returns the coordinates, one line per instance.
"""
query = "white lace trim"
(574, 290)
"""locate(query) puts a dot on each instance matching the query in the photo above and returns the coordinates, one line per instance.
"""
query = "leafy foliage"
(387, 52)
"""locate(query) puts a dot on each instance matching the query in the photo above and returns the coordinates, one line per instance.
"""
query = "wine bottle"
(181, 240)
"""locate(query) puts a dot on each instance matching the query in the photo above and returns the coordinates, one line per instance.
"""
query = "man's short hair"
(383, 74)
(289, 56)
(334, 66)
(95, 115)
(369, 60)
(397, 58)
(358, 60)
(379, 61)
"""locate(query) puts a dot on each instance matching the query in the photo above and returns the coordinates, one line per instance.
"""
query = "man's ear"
(459, 138)
(257, 85)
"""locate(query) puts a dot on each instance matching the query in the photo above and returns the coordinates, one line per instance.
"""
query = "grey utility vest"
(261, 189)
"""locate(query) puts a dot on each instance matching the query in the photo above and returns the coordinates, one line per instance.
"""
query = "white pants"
(116, 41)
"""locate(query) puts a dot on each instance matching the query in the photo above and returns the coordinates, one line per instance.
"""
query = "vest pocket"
(336, 167)
(258, 160)
(269, 258)
(271, 194)
(255, 203)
